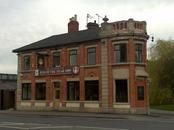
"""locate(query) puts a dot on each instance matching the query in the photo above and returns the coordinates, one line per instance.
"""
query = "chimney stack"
(73, 25)
(93, 25)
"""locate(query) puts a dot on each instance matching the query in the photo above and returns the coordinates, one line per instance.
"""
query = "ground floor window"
(92, 90)
(57, 90)
(140, 93)
(121, 91)
(26, 91)
(40, 91)
(73, 90)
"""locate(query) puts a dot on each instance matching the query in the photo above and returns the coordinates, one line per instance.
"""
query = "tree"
(161, 72)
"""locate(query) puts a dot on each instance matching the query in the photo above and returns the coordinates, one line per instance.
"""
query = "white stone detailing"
(51, 104)
(120, 106)
(104, 74)
(26, 104)
(40, 104)
(91, 105)
(72, 104)
(120, 73)
(140, 71)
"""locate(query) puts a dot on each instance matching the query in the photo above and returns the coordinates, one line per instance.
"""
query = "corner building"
(100, 69)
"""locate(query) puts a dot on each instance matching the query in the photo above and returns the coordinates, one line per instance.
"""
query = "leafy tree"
(161, 72)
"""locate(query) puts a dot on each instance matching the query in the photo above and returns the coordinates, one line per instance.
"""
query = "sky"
(25, 21)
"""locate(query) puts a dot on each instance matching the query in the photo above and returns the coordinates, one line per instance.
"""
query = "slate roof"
(62, 39)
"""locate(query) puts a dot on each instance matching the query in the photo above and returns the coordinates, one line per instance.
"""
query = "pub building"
(100, 69)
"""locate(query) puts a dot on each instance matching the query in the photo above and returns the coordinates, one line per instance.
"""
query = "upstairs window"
(26, 62)
(120, 51)
(73, 57)
(138, 53)
(56, 59)
(40, 61)
(91, 56)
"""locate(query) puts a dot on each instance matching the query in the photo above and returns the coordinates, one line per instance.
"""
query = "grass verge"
(168, 107)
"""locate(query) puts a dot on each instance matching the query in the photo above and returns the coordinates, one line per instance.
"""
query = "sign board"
(58, 71)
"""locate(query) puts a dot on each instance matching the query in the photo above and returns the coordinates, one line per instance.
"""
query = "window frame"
(119, 56)
(28, 96)
(73, 54)
(57, 88)
(39, 56)
(138, 53)
(27, 66)
(42, 97)
(115, 92)
(140, 95)
(56, 59)
(97, 94)
(91, 54)
(76, 90)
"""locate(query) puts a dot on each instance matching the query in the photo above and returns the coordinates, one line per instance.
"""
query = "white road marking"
(13, 127)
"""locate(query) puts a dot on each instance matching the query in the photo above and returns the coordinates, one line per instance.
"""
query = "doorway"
(56, 94)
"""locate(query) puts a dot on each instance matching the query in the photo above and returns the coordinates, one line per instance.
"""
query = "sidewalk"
(153, 113)
(161, 112)
(66, 114)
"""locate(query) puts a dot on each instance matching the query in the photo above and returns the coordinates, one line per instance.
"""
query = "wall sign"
(58, 71)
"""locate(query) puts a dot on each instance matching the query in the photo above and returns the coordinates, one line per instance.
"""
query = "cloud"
(26, 21)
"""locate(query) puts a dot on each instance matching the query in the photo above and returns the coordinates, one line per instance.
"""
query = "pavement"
(153, 113)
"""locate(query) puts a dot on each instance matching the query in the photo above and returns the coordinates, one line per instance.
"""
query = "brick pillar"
(110, 75)
(132, 86)
(81, 62)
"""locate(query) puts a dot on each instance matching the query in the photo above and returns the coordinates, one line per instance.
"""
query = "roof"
(8, 85)
(62, 39)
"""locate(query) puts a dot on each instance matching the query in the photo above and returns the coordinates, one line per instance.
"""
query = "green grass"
(169, 107)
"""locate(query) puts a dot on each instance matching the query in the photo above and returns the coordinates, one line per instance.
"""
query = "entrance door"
(56, 95)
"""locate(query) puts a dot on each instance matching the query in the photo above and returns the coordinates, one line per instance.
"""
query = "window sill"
(128, 63)
(91, 66)
(26, 71)
(121, 103)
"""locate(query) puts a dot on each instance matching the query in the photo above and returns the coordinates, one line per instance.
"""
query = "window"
(120, 51)
(140, 92)
(57, 90)
(40, 91)
(92, 90)
(138, 53)
(73, 57)
(121, 94)
(4, 76)
(91, 56)
(26, 91)
(40, 61)
(56, 59)
(73, 90)
(26, 62)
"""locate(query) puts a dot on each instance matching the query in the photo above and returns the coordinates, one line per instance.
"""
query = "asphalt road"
(36, 122)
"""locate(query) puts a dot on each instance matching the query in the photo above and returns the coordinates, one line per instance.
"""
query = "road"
(46, 122)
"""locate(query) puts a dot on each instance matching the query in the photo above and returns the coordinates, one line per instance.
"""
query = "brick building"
(101, 69)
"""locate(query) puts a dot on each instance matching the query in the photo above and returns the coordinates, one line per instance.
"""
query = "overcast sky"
(26, 21)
